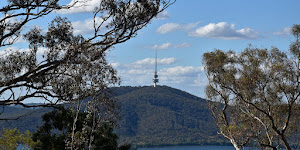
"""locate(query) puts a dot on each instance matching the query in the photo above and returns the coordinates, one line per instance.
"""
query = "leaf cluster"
(58, 125)
(12, 138)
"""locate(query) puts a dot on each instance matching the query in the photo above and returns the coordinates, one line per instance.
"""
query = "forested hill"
(149, 116)
(164, 115)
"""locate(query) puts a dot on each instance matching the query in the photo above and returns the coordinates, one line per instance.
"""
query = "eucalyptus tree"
(71, 67)
(12, 138)
(53, 134)
(255, 94)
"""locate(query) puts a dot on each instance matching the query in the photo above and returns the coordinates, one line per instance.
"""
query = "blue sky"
(191, 28)
(185, 31)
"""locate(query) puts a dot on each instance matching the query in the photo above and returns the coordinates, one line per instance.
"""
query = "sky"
(184, 32)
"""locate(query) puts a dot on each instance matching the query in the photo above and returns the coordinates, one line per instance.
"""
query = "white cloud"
(81, 6)
(190, 77)
(168, 45)
(224, 31)
(163, 15)
(162, 47)
(200, 80)
(137, 71)
(178, 74)
(285, 32)
(151, 61)
(87, 26)
(190, 26)
(82, 27)
(140, 73)
(146, 61)
(171, 27)
(179, 71)
(166, 61)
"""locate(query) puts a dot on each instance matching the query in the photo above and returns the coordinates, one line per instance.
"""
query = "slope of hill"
(26, 119)
(149, 116)
(164, 115)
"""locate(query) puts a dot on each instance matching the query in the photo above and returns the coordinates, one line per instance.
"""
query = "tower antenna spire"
(156, 62)
(155, 79)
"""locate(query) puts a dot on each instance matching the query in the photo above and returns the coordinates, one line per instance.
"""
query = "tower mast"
(155, 79)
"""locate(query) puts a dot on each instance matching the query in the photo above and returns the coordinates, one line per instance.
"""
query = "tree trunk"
(235, 145)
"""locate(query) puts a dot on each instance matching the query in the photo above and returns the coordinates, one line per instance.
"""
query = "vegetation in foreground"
(72, 67)
(10, 139)
(58, 125)
(258, 93)
(186, 118)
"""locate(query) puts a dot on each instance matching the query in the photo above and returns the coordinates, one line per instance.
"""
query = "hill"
(164, 115)
(149, 116)
(26, 119)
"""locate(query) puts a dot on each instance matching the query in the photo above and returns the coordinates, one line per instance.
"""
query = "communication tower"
(155, 77)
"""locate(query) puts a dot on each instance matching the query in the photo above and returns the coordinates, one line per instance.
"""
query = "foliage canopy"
(58, 125)
(259, 94)
(11, 138)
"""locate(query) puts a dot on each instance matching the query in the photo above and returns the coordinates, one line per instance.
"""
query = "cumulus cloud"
(163, 15)
(140, 73)
(188, 78)
(171, 27)
(151, 61)
(82, 27)
(82, 6)
(188, 75)
(137, 72)
(86, 26)
(168, 45)
(162, 46)
(179, 71)
(224, 31)
(285, 32)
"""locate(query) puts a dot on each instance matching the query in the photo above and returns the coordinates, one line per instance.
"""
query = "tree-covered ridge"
(27, 119)
(164, 115)
(149, 116)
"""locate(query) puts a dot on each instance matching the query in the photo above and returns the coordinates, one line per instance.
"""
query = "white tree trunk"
(235, 145)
